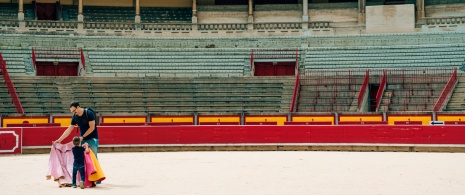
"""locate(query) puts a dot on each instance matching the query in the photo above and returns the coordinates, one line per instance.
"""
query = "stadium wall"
(176, 138)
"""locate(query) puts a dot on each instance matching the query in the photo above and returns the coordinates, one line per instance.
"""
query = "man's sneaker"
(74, 186)
(81, 185)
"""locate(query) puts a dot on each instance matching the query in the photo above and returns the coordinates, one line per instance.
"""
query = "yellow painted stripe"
(172, 119)
(278, 120)
(424, 119)
(21, 121)
(451, 118)
(313, 119)
(360, 118)
(64, 122)
(124, 120)
(204, 119)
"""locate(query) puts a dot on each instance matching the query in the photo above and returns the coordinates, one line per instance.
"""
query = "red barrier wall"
(10, 141)
(399, 134)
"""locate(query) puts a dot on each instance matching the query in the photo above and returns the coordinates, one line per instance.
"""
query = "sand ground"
(250, 173)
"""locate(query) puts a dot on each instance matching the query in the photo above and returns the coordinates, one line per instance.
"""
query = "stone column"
(194, 15)
(361, 11)
(137, 19)
(305, 15)
(250, 18)
(420, 10)
(80, 17)
(21, 23)
(20, 10)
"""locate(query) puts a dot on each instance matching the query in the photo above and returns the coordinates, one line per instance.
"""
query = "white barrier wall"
(390, 18)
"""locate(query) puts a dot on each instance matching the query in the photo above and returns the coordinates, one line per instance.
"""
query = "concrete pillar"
(80, 16)
(250, 18)
(361, 11)
(305, 15)
(137, 19)
(420, 10)
(20, 10)
(305, 11)
(194, 16)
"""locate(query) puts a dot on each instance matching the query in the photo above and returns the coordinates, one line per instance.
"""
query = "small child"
(78, 165)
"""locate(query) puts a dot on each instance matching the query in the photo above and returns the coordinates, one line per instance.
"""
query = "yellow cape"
(98, 175)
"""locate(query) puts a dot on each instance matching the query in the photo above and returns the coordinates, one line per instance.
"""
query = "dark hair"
(75, 104)
(76, 141)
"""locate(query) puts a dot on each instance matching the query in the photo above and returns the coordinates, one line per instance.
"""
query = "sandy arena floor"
(250, 173)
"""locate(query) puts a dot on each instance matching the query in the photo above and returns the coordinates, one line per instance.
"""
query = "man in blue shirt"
(85, 119)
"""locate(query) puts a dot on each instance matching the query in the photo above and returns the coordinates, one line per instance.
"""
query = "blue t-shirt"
(83, 123)
(78, 152)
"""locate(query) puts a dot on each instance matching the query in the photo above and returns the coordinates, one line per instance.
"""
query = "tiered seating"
(329, 93)
(6, 104)
(8, 11)
(167, 62)
(69, 12)
(156, 95)
(160, 15)
(39, 95)
(16, 59)
(57, 53)
(99, 13)
(413, 93)
(457, 99)
(127, 14)
(406, 56)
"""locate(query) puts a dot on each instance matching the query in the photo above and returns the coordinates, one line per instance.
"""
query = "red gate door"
(62, 69)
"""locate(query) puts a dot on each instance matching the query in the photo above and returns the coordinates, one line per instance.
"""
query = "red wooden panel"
(407, 123)
(34, 125)
(261, 123)
(365, 122)
(67, 69)
(454, 122)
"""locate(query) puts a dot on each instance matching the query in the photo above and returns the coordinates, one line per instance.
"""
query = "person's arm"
(65, 134)
(89, 131)
(86, 146)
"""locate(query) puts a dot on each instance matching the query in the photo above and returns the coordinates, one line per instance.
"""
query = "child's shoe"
(81, 185)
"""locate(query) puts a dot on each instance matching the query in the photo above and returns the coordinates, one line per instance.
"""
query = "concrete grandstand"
(336, 65)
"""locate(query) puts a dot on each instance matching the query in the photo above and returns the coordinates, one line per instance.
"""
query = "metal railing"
(446, 91)
(11, 87)
(382, 87)
(363, 89)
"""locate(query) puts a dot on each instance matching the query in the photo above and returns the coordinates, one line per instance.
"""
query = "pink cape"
(60, 163)
(60, 166)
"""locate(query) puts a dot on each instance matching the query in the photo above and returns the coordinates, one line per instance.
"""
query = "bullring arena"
(238, 96)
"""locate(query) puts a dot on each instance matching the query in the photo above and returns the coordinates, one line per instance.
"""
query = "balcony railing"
(225, 26)
(86, 26)
(278, 26)
(51, 24)
(445, 20)
(9, 23)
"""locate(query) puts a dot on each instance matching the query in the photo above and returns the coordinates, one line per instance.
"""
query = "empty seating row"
(43, 95)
